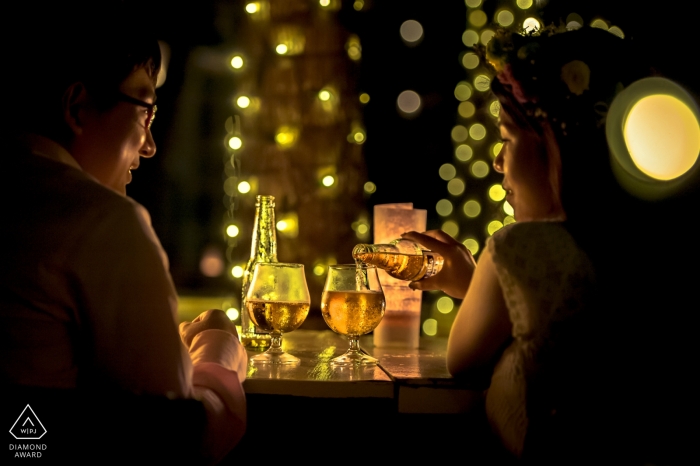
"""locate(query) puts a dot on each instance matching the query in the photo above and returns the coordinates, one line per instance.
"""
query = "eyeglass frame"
(151, 108)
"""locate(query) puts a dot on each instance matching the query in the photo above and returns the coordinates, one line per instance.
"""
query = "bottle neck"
(264, 242)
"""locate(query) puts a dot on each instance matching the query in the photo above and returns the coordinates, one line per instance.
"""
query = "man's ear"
(74, 101)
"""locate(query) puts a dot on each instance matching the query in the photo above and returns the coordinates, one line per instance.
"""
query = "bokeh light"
(463, 91)
(235, 143)
(447, 171)
(531, 24)
(497, 193)
(445, 304)
(477, 131)
(486, 35)
(496, 149)
(233, 313)
(211, 264)
(244, 187)
(466, 109)
(411, 32)
(616, 31)
(508, 209)
(477, 18)
(470, 38)
(243, 101)
(464, 152)
(456, 186)
(460, 133)
(495, 108)
(450, 227)
(482, 83)
(505, 18)
(430, 327)
(470, 60)
(237, 271)
(444, 207)
(286, 136)
(471, 208)
(237, 62)
(472, 245)
(324, 95)
(353, 47)
(599, 23)
(493, 226)
(408, 103)
(480, 169)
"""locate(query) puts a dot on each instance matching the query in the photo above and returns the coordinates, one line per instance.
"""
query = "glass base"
(255, 341)
(274, 357)
(353, 358)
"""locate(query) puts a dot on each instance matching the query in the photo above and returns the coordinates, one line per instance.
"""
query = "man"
(88, 310)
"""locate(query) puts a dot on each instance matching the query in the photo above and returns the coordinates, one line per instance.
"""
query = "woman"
(532, 309)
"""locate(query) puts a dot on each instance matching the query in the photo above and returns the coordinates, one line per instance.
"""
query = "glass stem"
(354, 345)
(275, 342)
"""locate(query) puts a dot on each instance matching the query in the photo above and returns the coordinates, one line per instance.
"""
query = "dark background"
(408, 152)
(402, 156)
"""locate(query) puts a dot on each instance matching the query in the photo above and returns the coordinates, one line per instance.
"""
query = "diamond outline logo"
(28, 418)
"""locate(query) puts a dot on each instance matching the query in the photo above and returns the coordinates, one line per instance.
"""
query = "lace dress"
(547, 282)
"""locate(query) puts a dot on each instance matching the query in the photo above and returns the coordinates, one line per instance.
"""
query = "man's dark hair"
(54, 44)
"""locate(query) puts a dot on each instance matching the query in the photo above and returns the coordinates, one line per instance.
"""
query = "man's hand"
(457, 271)
(207, 320)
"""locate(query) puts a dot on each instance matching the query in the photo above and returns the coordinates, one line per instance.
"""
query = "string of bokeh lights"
(473, 189)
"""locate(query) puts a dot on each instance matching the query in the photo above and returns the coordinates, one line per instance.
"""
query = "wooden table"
(408, 397)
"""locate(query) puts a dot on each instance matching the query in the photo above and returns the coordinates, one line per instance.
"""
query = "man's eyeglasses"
(150, 108)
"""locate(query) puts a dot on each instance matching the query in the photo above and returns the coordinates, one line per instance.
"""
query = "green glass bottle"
(263, 248)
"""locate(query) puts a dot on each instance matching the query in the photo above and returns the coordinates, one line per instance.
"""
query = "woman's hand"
(457, 271)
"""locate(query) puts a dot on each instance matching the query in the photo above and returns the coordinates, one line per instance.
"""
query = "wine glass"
(352, 304)
(278, 302)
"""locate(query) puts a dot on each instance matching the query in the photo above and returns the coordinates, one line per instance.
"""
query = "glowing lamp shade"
(662, 124)
(653, 131)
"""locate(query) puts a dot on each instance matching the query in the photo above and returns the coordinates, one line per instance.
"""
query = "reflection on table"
(313, 376)
(406, 405)
(416, 380)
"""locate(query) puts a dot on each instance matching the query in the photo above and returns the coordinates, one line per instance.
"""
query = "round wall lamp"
(653, 130)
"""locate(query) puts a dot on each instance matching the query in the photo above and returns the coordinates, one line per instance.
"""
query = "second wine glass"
(277, 302)
(353, 304)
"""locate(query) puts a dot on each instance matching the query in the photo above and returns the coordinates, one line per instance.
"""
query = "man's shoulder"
(46, 193)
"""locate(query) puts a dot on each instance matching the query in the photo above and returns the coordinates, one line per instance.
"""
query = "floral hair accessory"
(567, 77)
(577, 76)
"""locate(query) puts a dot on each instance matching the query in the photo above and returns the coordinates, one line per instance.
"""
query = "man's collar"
(40, 145)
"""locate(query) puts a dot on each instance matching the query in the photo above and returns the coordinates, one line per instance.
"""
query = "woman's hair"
(560, 83)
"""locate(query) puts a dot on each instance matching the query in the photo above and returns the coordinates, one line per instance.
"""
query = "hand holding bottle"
(401, 258)
(458, 267)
